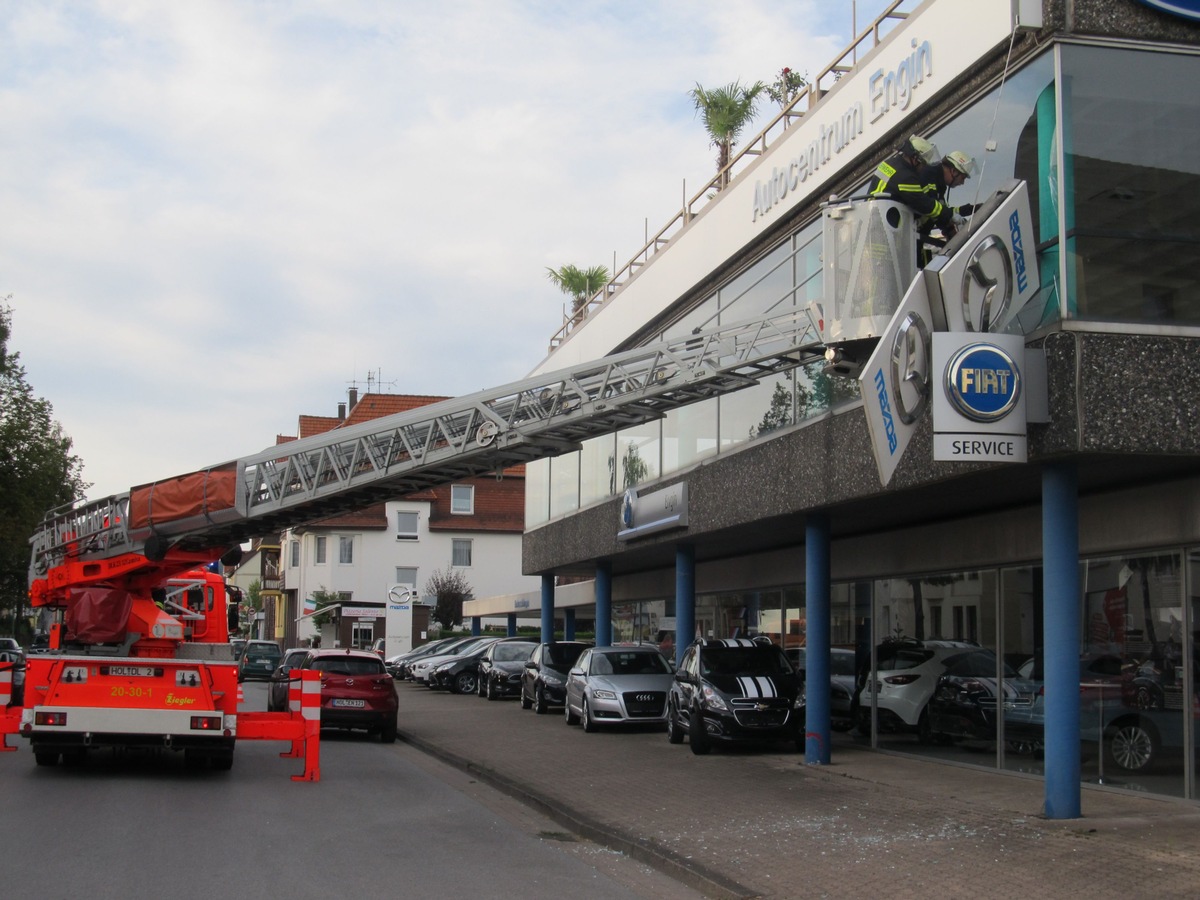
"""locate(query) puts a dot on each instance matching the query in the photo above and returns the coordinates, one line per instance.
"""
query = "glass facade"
(1111, 189)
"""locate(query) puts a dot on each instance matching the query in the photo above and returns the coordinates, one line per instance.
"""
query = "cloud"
(219, 215)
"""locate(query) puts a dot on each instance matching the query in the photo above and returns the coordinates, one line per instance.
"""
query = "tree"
(38, 472)
(451, 589)
(579, 284)
(323, 598)
(786, 86)
(725, 112)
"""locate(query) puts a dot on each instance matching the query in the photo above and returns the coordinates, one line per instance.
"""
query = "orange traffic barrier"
(301, 726)
(10, 716)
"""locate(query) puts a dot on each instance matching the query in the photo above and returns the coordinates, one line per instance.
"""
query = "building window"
(406, 526)
(346, 549)
(406, 575)
(460, 555)
(462, 499)
(294, 559)
(319, 553)
(362, 635)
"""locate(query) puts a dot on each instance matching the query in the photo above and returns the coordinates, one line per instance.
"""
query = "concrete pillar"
(685, 599)
(816, 657)
(511, 631)
(603, 604)
(547, 609)
(1061, 638)
(569, 624)
(476, 625)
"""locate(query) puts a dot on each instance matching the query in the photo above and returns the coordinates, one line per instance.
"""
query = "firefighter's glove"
(966, 209)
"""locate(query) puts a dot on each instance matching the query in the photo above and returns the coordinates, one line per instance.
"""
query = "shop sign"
(1186, 9)
(643, 514)
(979, 409)
(895, 381)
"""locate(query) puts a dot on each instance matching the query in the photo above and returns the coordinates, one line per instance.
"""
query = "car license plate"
(348, 704)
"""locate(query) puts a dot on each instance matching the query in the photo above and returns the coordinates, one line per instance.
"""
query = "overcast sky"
(218, 216)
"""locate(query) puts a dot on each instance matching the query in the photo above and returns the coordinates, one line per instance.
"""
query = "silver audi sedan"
(618, 685)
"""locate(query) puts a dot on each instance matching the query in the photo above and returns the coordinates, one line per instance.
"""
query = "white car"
(421, 669)
(906, 675)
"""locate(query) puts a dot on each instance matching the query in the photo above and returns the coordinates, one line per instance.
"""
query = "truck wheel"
(45, 757)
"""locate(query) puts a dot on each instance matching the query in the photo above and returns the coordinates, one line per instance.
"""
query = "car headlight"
(445, 667)
(551, 677)
(713, 700)
(604, 695)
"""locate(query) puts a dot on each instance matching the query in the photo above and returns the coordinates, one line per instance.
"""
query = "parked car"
(356, 691)
(9, 643)
(15, 659)
(501, 667)
(281, 678)
(907, 671)
(735, 690)
(419, 670)
(378, 645)
(841, 683)
(973, 692)
(399, 664)
(617, 685)
(544, 679)
(237, 645)
(258, 660)
(459, 674)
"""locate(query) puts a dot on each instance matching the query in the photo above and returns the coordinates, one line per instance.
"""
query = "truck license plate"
(132, 671)
(350, 704)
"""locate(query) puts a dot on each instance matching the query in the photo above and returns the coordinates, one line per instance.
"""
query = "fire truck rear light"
(206, 723)
(50, 718)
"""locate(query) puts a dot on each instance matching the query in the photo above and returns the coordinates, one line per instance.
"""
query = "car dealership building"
(771, 511)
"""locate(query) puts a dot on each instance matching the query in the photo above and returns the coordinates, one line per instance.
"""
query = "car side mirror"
(577, 671)
(682, 677)
(530, 664)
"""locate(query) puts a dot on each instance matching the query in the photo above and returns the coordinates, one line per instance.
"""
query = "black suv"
(735, 690)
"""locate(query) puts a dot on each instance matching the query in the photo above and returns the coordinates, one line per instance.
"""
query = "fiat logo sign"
(983, 382)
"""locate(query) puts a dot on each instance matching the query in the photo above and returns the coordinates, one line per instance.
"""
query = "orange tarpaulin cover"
(194, 494)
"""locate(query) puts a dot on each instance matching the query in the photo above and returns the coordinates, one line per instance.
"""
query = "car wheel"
(464, 683)
(674, 729)
(479, 685)
(697, 736)
(1132, 745)
(387, 734)
(525, 701)
(571, 718)
(540, 706)
(489, 691)
(585, 716)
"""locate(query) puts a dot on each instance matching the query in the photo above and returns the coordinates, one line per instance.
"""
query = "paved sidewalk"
(761, 823)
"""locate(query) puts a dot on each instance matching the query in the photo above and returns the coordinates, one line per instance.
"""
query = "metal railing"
(797, 108)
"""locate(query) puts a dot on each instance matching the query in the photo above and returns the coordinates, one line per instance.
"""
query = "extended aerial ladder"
(117, 549)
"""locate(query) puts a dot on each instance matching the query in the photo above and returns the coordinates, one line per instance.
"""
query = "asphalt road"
(384, 821)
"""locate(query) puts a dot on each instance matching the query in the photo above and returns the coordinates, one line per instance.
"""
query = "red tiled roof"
(310, 425)
(373, 406)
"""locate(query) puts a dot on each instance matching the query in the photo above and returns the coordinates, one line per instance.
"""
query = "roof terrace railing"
(797, 108)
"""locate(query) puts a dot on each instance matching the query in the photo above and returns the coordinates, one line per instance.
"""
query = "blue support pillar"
(603, 604)
(547, 609)
(476, 626)
(816, 655)
(512, 625)
(569, 624)
(1061, 638)
(685, 599)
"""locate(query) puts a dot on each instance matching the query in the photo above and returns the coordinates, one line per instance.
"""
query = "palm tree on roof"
(579, 284)
(725, 112)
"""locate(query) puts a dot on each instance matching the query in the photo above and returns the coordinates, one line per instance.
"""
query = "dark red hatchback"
(356, 691)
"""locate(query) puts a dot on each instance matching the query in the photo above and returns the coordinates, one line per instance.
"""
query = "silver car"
(618, 685)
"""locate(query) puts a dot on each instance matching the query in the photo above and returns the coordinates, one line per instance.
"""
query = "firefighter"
(910, 156)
